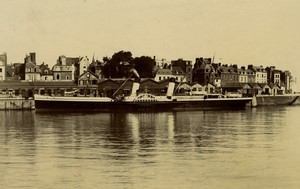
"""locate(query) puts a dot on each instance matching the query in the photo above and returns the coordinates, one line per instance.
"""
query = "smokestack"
(171, 87)
(135, 87)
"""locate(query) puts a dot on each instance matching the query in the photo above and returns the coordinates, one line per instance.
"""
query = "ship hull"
(98, 104)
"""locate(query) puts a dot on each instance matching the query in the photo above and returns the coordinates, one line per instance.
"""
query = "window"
(57, 76)
(67, 77)
(0, 70)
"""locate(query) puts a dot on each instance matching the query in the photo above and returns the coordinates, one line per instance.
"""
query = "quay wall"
(16, 104)
(287, 99)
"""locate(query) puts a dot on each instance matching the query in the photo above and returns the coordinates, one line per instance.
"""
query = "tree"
(118, 65)
(144, 66)
(22, 71)
(166, 66)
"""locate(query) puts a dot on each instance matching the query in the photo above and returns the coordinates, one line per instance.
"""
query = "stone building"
(204, 71)
(66, 69)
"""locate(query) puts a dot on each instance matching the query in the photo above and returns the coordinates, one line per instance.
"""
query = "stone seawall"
(16, 104)
(286, 99)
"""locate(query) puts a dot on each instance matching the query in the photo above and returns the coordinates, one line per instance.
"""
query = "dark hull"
(42, 105)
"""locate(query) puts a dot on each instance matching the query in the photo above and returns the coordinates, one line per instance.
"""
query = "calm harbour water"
(251, 148)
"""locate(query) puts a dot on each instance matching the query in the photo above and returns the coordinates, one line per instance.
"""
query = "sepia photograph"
(149, 94)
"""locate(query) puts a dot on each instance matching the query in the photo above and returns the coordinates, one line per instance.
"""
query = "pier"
(17, 103)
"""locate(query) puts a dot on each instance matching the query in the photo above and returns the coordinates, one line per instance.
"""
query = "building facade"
(3, 63)
(64, 69)
(186, 66)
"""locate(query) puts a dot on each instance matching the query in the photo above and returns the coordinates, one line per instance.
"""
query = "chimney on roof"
(63, 60)
(250, 66)
(243, 67)
(32, 57)
(207, 60)
(235, 66)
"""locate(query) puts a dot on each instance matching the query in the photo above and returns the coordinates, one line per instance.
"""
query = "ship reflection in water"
(251, 148)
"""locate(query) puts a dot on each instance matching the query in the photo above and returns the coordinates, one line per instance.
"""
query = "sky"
(242, 32)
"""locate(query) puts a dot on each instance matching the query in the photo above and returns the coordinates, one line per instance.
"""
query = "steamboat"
(140, 102)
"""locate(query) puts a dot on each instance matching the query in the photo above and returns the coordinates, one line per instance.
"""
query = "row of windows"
(89, 82)
(243, 78)
(32, 77)
(262, 75)
(58, 68)
(59, 77)
(32, 70)
(235, 77)
(167, 77)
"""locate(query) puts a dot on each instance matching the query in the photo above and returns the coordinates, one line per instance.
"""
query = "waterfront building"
(66, 69)
(186, 67)
(265, 89)
(204, 71)
(96, 68)
(275, 89)
(46, 73)
(32, 71)
(178, 74)
(87, 78)
(243, 76)
(228, 75)
(3, 63)
(260, 74)
(273, 75)
(250, 75)
(162, 74)
(256, 88)
(88, 83)
(276, 77)
(83, 64)
(184, 88)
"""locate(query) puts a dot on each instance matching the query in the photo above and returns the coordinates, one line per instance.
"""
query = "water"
(252, 148)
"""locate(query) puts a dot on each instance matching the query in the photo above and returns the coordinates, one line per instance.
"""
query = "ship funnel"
(171, 87)
(135, 87)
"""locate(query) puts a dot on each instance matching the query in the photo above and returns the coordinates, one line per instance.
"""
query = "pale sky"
(258, 32)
